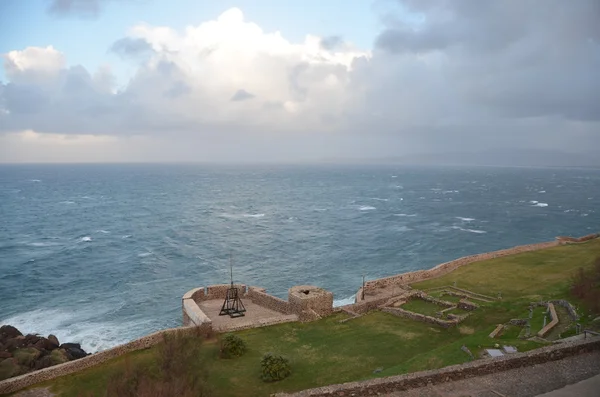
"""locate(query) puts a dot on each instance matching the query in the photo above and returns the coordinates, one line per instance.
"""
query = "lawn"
(327, 351)
(422, 306)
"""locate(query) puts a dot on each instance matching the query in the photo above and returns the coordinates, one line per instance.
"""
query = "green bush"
(232, 346)
(274, 367)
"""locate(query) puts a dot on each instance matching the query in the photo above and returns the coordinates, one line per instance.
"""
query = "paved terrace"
(256, 315)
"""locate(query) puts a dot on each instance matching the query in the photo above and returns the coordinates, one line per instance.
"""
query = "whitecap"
(399, 187)
(253, 215)
(126, 236)
(540, 204)
(103, 231)
(469, 230)
(407, 215)
(67, 202)
(320, 209)
(35, 180)
(465, 219)
(379, 199)
(534, 202)
(394, 176)
(80, 325)
(403, 229)
(343, 302)
(366, 208)
(542, 191)
(144, 254)
(85, 239)
(43, 244)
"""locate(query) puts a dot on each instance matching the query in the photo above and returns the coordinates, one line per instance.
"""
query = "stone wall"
(19, 382)
(569, 307)
(260, 297)
(568, 240)
(218, 291)
(551, 324)
(444, 268)
(396, 311)
(466, 305)
(382, 386)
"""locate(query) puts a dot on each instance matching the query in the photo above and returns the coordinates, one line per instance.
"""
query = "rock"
(73, 350)
(69, 345)
(15, 343)
(4, 355)
(44, 344)
(8, 331)
(53, 339)
(26, 356)
(59, 356)
(31, 339)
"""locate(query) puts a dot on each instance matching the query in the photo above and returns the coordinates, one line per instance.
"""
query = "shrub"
(232, 346)
(274, 367)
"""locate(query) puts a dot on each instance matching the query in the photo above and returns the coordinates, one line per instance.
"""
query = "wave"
(144, 254)
(379, 199)
(405, 215)
(537, 204)
(126, 236)
(85, 239)
(469, 230)
(465, 219)
(403, 229)
(103, 231)
(67, 202)
(366, 208)
(253, 215)
(35, 180)
(43, 244)
(79, 326)
(394, 176)
(542, 191)
(534, 202)
(343, 302)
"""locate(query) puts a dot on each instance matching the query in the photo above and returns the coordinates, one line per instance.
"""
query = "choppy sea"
(101, 254)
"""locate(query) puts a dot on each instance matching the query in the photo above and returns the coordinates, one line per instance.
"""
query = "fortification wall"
(447, 267)
(260, 297)
(568, 240)
(383, 386)
(396, 311)
(19, 382)
(310, 302)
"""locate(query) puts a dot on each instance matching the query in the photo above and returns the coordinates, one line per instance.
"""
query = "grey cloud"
(178, 89)
(241, 95)
(130, 47)
(331, 42)
(90, 8)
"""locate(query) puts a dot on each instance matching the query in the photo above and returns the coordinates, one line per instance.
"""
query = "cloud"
(241, 95)
(443, 76)
(82, 8)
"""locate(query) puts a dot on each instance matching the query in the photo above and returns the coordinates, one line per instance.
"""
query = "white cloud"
(450, 76)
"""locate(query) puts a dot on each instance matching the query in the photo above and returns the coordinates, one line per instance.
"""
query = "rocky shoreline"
(20, 354)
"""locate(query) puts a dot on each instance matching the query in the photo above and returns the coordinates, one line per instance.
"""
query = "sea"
(102, 254)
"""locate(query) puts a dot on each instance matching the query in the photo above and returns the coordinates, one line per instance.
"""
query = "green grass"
(326, 351)
(423, 307)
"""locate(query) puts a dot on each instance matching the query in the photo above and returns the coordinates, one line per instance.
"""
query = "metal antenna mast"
(233, 305)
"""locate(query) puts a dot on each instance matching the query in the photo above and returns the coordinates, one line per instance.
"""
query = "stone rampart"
(260, 297)
(551, 324)
(310, 302)
(218, 291)
(19, 382)
(466, 305)
(569, 307)
(396, 311)
(444, 268)
(382, 386)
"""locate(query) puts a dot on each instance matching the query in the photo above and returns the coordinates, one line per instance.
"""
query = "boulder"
(44, 344)
(31, 339)
(53, 339)
(8, 331)
(14, 343)
(4, 355)
(74, 353)
(69, 345)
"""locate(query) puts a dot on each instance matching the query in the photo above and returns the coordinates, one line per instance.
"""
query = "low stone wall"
(551, 324)
(568, 240)
(429, 298)
(444, 268)
(569, 307)
(219, 291)
(471, 369)
(466, 305)
(19, 382)
(519, 322)
(193, 315)
(396, 311)
(473, 295)
(260, 297)
(496, 331)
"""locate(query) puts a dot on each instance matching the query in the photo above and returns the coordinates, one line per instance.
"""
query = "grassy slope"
(326, 352)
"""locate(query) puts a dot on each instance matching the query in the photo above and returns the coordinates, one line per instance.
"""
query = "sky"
(295, 81)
